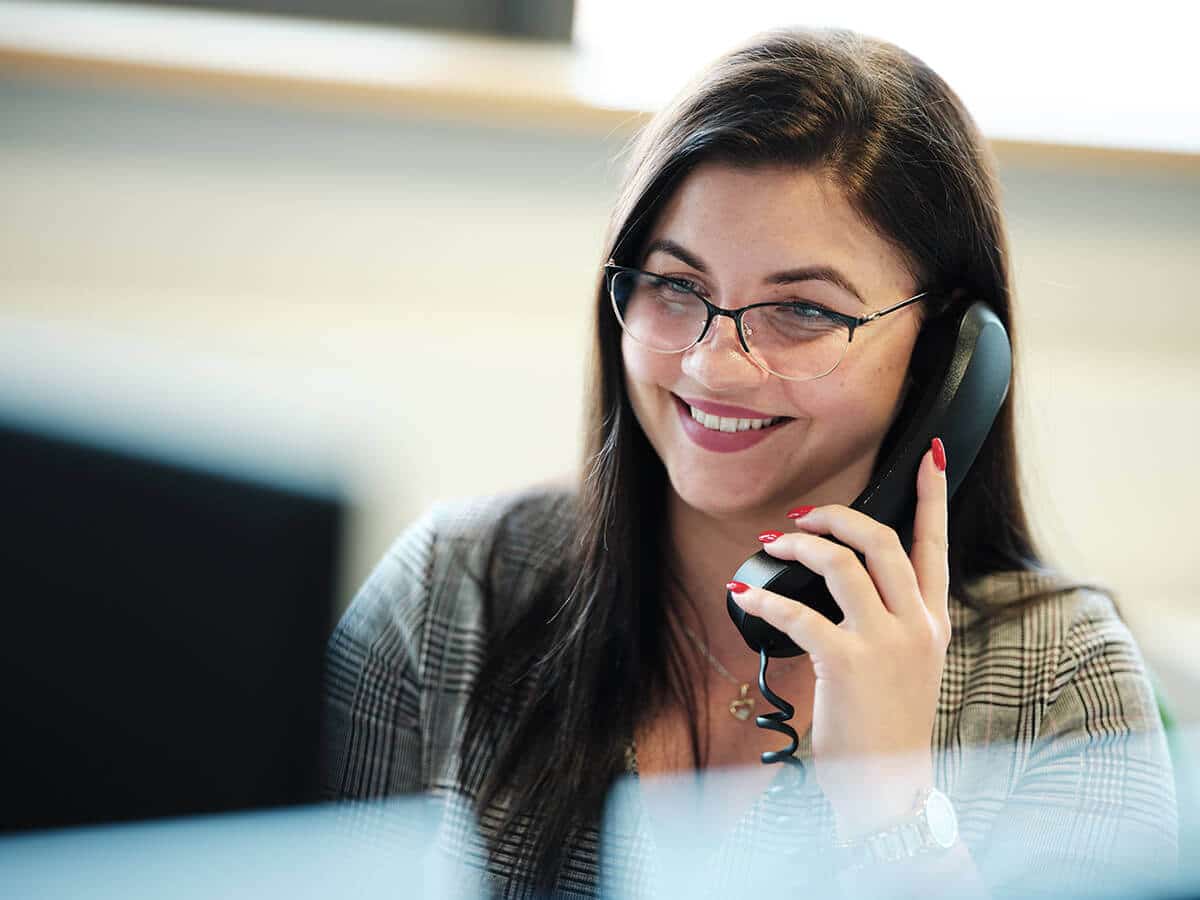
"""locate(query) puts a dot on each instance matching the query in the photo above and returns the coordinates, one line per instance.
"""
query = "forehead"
(748, 222)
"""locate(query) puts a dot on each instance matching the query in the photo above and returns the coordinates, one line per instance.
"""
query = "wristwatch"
(932, 827)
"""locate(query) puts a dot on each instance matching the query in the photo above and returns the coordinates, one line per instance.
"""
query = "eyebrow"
(787, 276)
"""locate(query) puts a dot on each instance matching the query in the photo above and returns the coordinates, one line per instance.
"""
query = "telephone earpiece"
(958, 402)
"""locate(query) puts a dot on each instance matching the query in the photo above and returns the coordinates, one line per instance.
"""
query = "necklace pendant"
(743, 706)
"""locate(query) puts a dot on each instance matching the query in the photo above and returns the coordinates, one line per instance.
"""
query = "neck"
(708, 550)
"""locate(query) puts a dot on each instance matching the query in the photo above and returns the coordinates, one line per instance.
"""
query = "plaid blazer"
(1047, 735)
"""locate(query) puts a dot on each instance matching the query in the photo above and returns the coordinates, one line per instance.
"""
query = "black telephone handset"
(958, 404)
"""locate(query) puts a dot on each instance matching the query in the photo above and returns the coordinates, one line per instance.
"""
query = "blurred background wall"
(405, 284)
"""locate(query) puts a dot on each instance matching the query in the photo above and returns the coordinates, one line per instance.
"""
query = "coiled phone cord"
(775, 721)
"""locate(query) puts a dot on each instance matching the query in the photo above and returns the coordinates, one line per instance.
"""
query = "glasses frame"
(852, 323)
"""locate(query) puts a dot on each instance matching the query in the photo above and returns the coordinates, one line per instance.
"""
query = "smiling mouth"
(731, 425)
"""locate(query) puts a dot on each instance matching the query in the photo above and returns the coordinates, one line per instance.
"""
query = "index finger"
(930, 552)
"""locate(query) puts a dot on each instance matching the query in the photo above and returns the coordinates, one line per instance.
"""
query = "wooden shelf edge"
(463, 100)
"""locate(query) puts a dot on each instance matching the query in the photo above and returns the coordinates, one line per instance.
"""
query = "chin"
(726, 499)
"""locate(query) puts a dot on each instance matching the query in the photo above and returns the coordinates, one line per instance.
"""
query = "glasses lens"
(657, 312)
(795, 341)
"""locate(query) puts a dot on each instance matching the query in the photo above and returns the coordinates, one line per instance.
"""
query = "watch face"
(939, 815)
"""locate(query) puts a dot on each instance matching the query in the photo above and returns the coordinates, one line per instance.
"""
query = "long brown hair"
(592, 655)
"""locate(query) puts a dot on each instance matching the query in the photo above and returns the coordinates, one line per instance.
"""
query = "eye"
(807, 309)
(683, 285)
(812, 308)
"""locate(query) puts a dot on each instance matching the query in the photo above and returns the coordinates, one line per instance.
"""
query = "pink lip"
(729, 412)
(721, 441)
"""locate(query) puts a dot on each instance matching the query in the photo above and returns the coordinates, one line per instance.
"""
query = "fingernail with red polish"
(736, 587)
(800, 512)
(939, 454)
(767, 536)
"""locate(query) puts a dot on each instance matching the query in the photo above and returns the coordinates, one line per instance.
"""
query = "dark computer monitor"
(161, 634)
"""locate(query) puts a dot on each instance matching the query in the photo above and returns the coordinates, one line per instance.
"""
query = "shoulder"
(1070, 638)
(1054, 704)
(442, 568)
(505, 545)
(1043, 607)
(524, 524)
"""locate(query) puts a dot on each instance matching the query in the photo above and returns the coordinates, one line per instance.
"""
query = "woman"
(521, 653)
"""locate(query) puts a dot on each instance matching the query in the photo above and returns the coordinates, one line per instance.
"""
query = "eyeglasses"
(795, 340)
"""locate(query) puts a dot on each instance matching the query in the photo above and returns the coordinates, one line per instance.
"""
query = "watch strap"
(903, 840)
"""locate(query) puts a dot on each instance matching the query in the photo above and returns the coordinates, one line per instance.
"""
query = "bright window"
(1120, 75)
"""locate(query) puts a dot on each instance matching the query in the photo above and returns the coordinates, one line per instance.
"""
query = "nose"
(718, 361)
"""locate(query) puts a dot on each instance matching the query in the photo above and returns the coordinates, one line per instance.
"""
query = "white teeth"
(721, 423)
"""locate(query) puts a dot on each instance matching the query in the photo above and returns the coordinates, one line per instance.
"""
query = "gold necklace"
(741, 707)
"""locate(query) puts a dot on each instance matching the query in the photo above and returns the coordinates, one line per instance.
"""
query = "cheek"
(855, 394)
(647, 376)
(645, 369)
